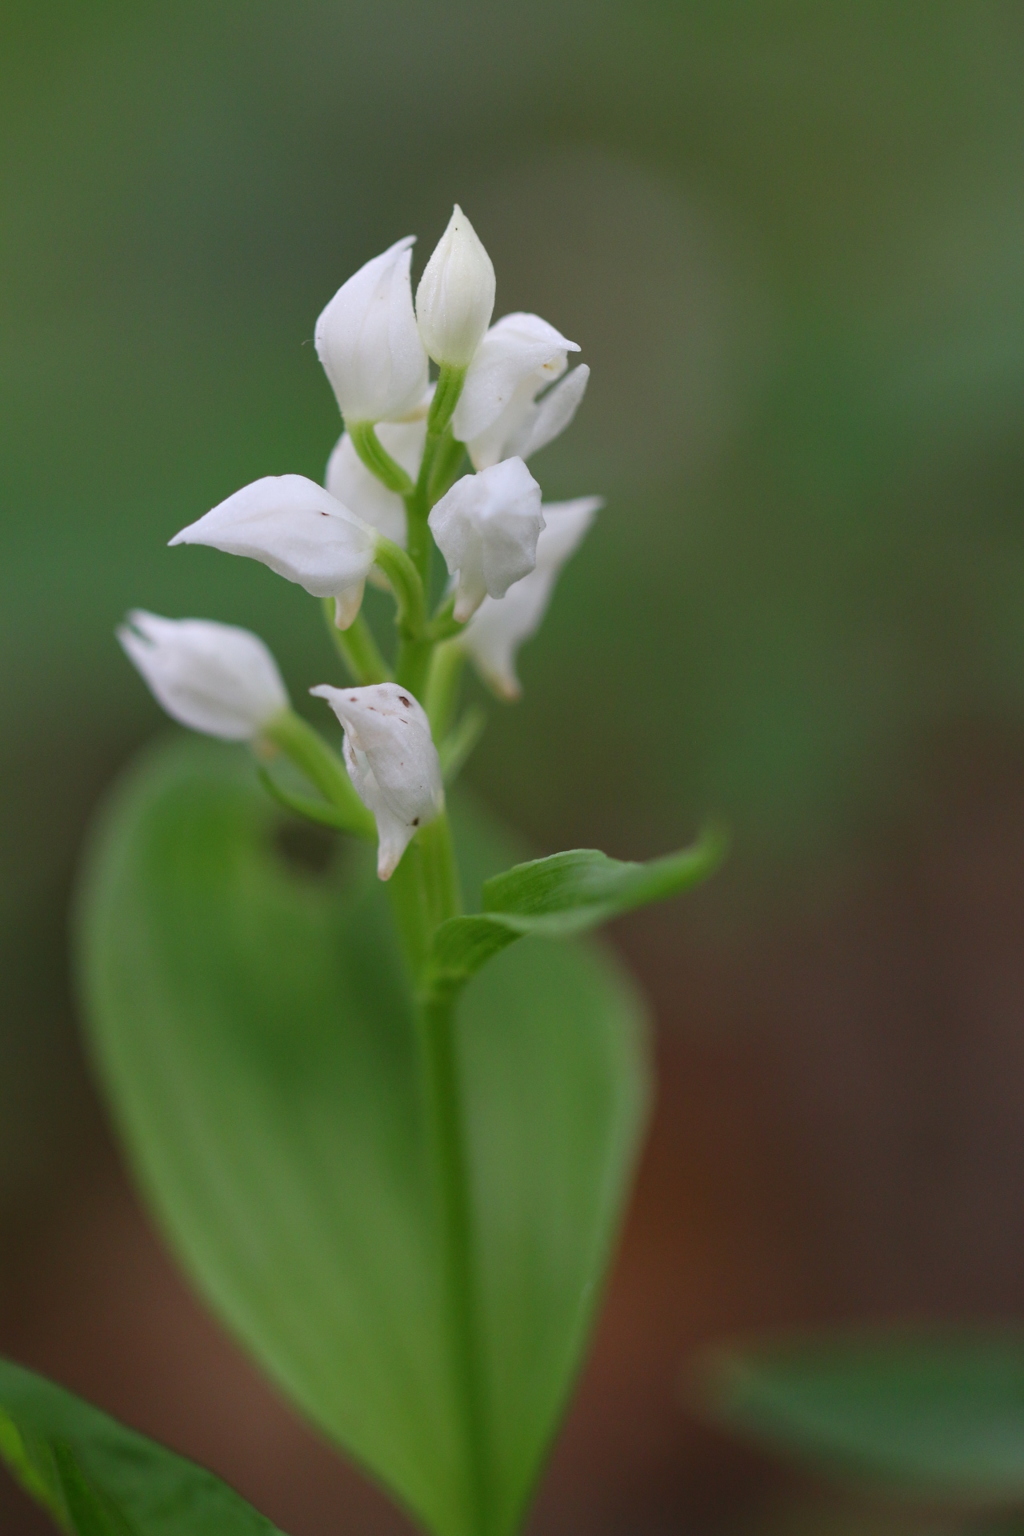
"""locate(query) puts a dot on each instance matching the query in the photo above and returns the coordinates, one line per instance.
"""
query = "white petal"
(487, 527)
(368, 341)
(349, 481)
(518, 356)
(501, 625)
(391, 760)
(455, 298)
(296, 528)
(549, 416)
(214, 678)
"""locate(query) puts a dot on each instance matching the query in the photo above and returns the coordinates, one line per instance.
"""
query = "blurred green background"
(790, 240)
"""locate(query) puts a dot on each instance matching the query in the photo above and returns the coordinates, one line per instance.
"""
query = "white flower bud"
(349, 481)
(455, 298)
(500, 625)
(211, 677)
(300, 531)
(487, 527)
(518, 357)
(391, 760)
(369, 344)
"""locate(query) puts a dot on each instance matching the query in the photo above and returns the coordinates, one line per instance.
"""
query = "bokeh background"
(790, 238)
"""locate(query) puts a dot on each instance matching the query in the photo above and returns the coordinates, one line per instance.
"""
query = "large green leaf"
(97, 1478)
(561, 896)
(936, 1414)
(254, 1035)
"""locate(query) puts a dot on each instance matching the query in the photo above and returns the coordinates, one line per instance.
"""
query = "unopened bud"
(455, 298)
(213, 678)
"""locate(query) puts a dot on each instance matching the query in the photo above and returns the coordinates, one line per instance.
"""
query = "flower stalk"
(396, 490)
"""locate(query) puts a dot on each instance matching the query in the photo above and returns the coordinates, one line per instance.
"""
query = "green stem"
(424, 892)
(446, 397)
(307, 749)
(409, 907)
(439, 1047)
(447, 462)
(377, 459)
(419, 498)
(440, 872)
(357, 648)
(407, 586)
(412, 665)
(442, 692)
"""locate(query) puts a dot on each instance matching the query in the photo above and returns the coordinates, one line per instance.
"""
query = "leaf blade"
(255, 1037)
(923, 1413)
(561, 897)
(95, 1477)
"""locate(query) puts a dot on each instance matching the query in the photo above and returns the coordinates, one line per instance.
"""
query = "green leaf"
(97, 1478)
(560, 897)
(930, 1414)
(253, 1030)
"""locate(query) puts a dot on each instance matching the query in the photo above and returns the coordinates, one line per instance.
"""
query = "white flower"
(455, 298)
(300, 531)
(369, 344)
(487, 527)
(211, 677)
(498, 414)
(391, 760)
(349, 481)
(500, 625)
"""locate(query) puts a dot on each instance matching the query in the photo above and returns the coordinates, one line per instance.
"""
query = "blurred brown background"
(790, 239)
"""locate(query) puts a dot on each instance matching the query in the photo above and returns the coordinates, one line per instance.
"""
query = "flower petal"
(296, 528)
(518, 352)
(391, 760)
(550, 415)
(368, 341)
(487, 527)
(501, 625)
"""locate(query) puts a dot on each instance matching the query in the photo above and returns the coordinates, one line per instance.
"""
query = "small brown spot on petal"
(403, 700)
